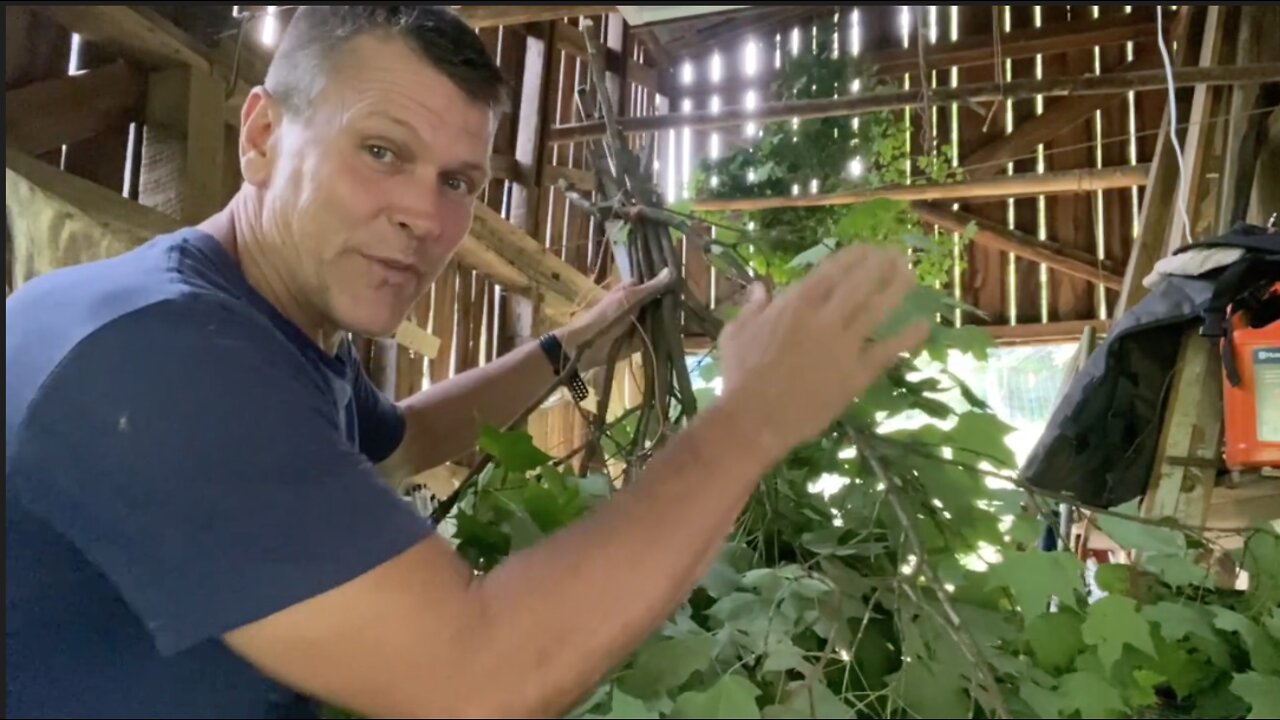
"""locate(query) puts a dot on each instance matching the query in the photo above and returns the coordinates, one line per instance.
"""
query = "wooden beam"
(1155, 215)
(1066, 331)
(1200, 130)
(897, 100)
(45, 115)
(1191, 429)
(1026, 184)
(1052, 254)
(544, 270)
(136, 32)
(1052, 333)
(978, 50)
(569, 39)
(483, 16)
(183, 148)
(991, 159)
(1046, 40)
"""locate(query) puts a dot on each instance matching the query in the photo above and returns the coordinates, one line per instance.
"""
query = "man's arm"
(422, 635)
(443, 421)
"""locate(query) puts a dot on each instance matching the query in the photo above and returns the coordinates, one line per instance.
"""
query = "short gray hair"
(317, 34)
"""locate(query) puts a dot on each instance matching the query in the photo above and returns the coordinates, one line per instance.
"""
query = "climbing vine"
(891, 567)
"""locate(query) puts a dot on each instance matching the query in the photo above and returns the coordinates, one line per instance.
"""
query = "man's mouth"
(399, 270)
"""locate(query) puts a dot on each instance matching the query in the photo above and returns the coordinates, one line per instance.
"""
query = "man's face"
(371, 192)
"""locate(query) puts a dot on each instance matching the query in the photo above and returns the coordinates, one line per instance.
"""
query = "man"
(198, 520)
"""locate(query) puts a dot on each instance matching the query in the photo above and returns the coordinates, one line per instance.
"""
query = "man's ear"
(259, 123)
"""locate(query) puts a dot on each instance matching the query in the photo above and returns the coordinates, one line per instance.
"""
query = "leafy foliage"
(827, 155)
(889, 568)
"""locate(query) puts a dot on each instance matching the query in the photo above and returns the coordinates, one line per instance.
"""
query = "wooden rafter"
(897, 100)
(968, 51)
(1023, 185)
(992, 158)
(1005, 239)
(483, 16)
(45, 115)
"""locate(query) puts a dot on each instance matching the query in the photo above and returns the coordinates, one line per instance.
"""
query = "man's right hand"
(793, 363)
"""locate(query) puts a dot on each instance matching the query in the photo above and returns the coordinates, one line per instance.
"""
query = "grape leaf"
(1133, 535)
(1114, 622)
(1143, 690)
(930, 690)
(1261, 559)
(1262, 692)
(782, 654)
(624, 706)
(979, 432)
(1272, 623)
(1185, 672)
(1036, 576)
(1176, 569)
(1055, 639)
(721, 580)
(665, 665)
(1092, 695)
(733, 696)
(1264, 650)
(513, 450)
(808, 700)
(1045, 703)
(1178, 621)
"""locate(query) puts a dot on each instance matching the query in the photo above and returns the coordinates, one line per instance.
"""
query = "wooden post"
(183, 141)
(1182, 481)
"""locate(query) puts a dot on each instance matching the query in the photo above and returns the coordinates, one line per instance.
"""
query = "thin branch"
(955, 627)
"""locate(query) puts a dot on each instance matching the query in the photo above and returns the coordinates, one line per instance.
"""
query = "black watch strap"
(555, 353)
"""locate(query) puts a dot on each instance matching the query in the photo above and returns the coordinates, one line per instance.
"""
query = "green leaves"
(1140, 536)
(1262, 692)
(1092, 695)
(666, 664)
(1114, 622)
(1264, 650)
(1055, 639)
(1179, 621)
(625, 707)
(1261, 559)
(512, 450)
(733, 696)
(1035, 577)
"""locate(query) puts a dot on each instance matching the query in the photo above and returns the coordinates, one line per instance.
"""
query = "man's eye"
(379, 153)
(461, 185)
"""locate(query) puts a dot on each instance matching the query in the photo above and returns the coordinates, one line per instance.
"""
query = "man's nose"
(418, 209)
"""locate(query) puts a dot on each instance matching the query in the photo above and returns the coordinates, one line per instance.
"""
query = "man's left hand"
(612, 316)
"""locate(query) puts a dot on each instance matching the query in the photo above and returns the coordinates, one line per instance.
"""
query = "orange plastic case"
(1251, 410)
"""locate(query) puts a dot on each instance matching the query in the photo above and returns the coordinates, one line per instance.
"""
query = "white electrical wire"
(1173, 124)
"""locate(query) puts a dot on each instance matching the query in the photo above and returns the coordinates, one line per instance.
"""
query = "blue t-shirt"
(180, 460)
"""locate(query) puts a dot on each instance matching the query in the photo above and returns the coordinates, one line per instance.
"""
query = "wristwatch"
(555, 353)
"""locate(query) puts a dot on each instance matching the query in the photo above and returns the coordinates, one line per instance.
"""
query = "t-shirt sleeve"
(381, 422)
(196, 459)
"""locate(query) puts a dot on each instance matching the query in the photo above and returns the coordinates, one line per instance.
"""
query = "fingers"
(868, 310)
(882, 354)
(757, 301)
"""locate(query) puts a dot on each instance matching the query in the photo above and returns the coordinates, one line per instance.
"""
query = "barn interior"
(1048, 156)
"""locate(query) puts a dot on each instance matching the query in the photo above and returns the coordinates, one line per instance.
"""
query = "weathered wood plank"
(1026, 184)
(48, 114)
